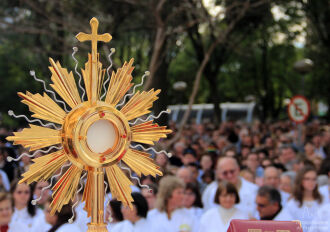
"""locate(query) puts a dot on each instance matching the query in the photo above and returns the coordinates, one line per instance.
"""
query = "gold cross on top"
(94, 37)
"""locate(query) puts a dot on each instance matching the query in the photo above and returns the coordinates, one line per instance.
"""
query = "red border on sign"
(308, 109)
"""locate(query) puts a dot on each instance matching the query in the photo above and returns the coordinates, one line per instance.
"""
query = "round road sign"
(299, 109)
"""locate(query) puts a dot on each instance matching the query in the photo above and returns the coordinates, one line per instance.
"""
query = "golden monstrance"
(94, 137)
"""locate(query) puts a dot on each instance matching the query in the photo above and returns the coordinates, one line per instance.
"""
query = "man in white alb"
(272, 177)
(227, 169)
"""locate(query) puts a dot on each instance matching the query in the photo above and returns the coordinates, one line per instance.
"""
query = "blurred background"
(258, 53)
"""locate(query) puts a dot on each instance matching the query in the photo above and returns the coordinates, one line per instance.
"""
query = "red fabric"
(4, 228)
(263, 226)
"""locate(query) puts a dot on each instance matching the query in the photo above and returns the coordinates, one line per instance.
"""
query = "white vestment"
(181, 220)
(284, 197)
(325, 192)
(283, 215)
(321, 222)
(213, 220)
(305, 213)
(31, 224)
(141, 225)
(247, 194)
(68, 228)
(5, 180)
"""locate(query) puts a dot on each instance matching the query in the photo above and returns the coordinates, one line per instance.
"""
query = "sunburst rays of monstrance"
(94, 135)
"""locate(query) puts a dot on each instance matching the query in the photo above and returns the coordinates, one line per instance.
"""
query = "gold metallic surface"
(73, 134)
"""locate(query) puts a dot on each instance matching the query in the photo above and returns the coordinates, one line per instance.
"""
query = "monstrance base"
(97, 228)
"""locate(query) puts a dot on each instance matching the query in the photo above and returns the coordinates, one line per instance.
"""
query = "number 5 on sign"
(299, 109)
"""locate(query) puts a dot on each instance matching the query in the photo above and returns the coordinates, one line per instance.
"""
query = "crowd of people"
(215, 173)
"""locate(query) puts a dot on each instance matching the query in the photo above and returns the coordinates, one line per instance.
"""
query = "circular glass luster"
(95, 135)
(101, 136)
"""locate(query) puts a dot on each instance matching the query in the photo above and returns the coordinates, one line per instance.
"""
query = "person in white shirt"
(135, 219)
(321, 221)
(113, 216)
(169, 215)
(269, 205)
(219, 217)
(60, 220)
(25, 213)
(272, 178)
(306, 199)
(227, 169)
(192, 199)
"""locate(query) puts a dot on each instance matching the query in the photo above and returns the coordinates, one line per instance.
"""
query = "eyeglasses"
(261, 205)
(21, 192)
(231, 172)
(309, 179)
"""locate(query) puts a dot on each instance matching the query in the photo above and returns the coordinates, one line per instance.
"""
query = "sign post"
(298, 111)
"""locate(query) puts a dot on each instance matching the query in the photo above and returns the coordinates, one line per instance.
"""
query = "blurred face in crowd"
(287, 155)
(247, 175)
(285, 184)
(272, 177)
(266, 208)
(252, 161)
(227, 200)
(6, 211)
(189, 158)
(176, 200)
(206, 162)
(189, 198)
(266, 163)
(129, 214)
(161, 160)
(51, 219)
(309, 149)
(227, 169)
(309, 181)
(21, 195)
(184, 174)
(194, 173)
(150, 197)
(45, 195)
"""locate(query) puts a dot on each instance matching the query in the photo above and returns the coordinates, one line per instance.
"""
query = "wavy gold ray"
(120, 83)
(36, 137)
(139, 104)
(88, 80)
(141, 163)
(88, 193)
(43, 107)
(148, 132)
(65, 188)
(44, 167)
(64, 84)
(119, 185)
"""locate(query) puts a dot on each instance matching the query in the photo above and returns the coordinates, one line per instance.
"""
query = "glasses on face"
(23, 192)
(226, 173)
(310, 179)
(261, 205)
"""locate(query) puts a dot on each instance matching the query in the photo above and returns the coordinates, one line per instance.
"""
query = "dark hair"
(189, 150)
(229, 188)
(116, 210)
(62, 217)
(208, 173)
(271, 193)
(30, 208)
(141, 204)
(194, 188)
(298, 191)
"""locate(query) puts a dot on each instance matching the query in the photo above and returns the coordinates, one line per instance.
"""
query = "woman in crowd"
(113, 215)
(218, 218)
(306, 198)
(6, 211)
(60, 220)
(169, 215)
(135, 219)
(24, 212)
(192, 200)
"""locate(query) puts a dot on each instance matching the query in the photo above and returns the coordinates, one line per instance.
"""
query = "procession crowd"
(211, 175)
